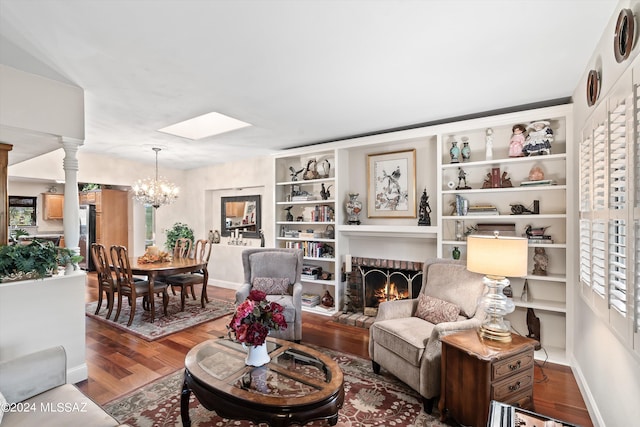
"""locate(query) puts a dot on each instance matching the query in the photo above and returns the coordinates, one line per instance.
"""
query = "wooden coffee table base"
(275, 416)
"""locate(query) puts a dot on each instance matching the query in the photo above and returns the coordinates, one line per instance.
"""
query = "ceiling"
(301, 72)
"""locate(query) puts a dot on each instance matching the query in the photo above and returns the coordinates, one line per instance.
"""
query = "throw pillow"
(271, 285)
(435, 310)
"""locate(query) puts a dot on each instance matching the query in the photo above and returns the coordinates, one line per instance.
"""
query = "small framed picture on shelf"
(391, 180)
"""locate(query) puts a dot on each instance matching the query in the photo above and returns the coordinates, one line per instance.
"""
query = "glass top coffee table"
(297, 386)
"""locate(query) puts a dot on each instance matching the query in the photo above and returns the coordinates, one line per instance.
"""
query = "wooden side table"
(476, 371)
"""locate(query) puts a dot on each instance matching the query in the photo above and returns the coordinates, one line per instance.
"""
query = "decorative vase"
(454, 152)
(466, 151)
(327, 300)
(353, 207)
(456, 253)
(256, 355)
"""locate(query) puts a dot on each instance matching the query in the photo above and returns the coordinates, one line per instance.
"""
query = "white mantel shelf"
(413, 231)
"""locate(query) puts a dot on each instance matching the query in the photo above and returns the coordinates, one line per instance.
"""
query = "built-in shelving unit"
(548, 294)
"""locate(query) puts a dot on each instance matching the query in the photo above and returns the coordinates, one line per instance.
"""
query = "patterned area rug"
(174, 321)
(370, 400)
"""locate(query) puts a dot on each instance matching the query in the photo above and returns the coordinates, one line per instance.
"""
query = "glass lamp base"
(494, 334)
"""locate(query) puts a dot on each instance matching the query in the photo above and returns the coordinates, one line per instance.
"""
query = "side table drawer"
(502, 391)
(512, 365)
(524, 400)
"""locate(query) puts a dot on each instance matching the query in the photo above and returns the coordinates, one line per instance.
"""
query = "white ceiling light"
(203, 126)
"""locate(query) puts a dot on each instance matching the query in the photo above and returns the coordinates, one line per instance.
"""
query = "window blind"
(585, 172)
(617, 266)
(599, 167)
(598, 247)
(585, 252)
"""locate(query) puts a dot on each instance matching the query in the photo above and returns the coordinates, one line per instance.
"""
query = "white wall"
(606, 370)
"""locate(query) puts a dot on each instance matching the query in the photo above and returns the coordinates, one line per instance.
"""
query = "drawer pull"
(514, 387)
(515, 366)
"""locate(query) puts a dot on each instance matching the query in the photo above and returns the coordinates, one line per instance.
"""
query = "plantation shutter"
(599, 168)
(598, 248)
(585, 172)
(617, 266)
(585, 252)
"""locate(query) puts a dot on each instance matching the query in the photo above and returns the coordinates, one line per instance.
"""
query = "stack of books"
(482, 210)
(310, 272)
(310, 300)
(302, 198)
(543, 239)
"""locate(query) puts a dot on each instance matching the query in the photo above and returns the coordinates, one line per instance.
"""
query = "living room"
(590, 340)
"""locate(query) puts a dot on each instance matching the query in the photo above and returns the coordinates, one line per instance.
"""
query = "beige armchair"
(408, 346)
(276, 263)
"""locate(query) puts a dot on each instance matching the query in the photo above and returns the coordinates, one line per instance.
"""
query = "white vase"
(257, 356)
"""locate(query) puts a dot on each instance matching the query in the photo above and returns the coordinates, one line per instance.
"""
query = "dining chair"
(106, 284)
(130, 288)
(182, 248)
(186, 281)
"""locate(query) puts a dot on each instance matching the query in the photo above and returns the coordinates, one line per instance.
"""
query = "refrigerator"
(87, 216)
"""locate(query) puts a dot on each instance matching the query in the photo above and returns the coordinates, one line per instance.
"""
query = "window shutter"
(599, 167)
(585, 252)
(585, 172)
(618, 158)
(617, 265)
(598, 247)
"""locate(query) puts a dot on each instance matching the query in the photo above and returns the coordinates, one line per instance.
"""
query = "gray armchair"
(408, 346)
(277, 263)
(38, 380)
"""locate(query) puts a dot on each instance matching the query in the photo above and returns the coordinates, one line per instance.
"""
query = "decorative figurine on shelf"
(518, 209)
(353, 207)
(536, 174)
(533, 324)
(535, 232)
(488, 144)
(326, 168)
(517, 141)
(487, 181)
(540, 262)
(294, 173)
(462, 177)
(505, 182)
(455, 253)
(425, 210)
(324, 192)
(311, 171)
(539, 140)
(465, 151)
(454, 152)
(289, 214)
(524, 296)
(261, 232)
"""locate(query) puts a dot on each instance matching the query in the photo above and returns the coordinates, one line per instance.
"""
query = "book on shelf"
(302, 198)
(539, 182)
(482, 210)
(309, 276)
(496, 181)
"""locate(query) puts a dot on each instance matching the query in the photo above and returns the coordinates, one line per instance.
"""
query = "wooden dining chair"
(186, 281)
(106, 284)
(182, 248)
(130, 288)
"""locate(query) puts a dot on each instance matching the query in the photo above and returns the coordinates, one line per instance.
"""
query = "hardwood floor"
(119, 363)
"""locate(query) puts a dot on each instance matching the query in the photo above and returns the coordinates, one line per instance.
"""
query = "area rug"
(174, 321)
(370, 400)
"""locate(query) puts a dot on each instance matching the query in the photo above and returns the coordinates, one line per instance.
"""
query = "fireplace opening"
(380, 285)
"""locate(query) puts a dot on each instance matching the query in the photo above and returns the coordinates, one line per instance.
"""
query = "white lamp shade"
(497, 256)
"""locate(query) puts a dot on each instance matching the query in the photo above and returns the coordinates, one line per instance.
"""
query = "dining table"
(155, 270)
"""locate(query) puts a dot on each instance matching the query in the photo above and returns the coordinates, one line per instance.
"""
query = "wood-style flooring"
(119, 363)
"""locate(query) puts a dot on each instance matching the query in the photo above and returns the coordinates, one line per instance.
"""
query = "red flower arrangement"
(255, 317)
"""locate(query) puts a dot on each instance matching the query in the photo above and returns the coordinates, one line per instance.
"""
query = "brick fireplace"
(374, 280)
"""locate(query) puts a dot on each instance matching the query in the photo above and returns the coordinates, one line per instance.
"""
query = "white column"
(71, 221)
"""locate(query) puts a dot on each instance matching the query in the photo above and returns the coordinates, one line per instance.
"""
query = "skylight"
(203, 126)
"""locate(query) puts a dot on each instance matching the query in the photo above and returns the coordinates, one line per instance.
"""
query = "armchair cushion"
(271, 285)
(406, 337)
(435, 310)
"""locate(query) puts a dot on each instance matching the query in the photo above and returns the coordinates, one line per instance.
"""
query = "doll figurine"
(517, 141)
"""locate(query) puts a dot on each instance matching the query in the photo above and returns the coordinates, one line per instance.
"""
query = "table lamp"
(496, 257)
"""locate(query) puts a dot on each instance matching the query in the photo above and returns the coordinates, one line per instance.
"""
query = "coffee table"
(297, 386)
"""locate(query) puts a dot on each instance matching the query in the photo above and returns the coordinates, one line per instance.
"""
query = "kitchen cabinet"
(53, 206)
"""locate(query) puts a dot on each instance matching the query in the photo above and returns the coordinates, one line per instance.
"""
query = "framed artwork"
(391, 181)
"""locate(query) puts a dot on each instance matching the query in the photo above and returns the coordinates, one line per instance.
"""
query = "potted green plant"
(68, 259)
(179, 230)
(33, 261)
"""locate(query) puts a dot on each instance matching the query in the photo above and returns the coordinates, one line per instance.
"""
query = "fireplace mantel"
(406, 231)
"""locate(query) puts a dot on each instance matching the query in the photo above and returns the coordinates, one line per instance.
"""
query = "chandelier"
(155, 192)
